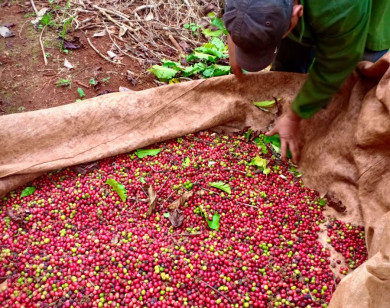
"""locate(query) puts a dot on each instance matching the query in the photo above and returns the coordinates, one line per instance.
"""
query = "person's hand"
(236, 69)
(287, 126)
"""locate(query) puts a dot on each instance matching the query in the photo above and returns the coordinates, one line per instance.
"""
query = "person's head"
(257, 28)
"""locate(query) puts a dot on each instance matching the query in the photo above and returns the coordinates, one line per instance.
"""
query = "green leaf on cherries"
(259, 162)
(275, 143)
(118, 188)
(248, 134)
(267, 171)
(222, 186)
(321, 201)
(166, 215)
(295, 172)
(214, 222)
(142, 180)
(186, 162)
(260, 143)
(141, 153)
(27, 191)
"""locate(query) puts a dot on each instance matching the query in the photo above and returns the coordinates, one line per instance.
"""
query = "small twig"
(138, 200)
(235, 170)
(185, 78)
(164, 184)
(114, 12)
(223, 295)
(176, 44)
(21, 29)
(186, 234)
(311, 296)
(82, 84)
(247, 204)
(119, 24)
(174, 241)
(55, 302)
(144, 191)
(161, 205)
(117, 46)
(34, 7)
(90, 26)
(100, 54)
(143, 7)
(264, 109)
(86, 20)
(205, 188)
(42, 47)
(157, 171)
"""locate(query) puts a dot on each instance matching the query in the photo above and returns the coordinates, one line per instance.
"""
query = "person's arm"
(338, 49)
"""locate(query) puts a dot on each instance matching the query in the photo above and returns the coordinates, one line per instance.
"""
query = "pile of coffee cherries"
(244, 232)
(348, 239)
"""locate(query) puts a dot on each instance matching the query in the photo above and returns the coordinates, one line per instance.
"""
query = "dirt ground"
(27, 84)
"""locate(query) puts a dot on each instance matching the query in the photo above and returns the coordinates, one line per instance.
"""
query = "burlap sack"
(346, 148)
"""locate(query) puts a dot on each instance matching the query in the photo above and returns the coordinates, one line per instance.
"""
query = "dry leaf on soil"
(67, 64)
(149, 17)
(111, 54)
(122, 31)
(178, 202)
(152, 199)
(184, 45)
(5, 32)
(100, 34)
(176, 218)
(129, 76)
(124, 89)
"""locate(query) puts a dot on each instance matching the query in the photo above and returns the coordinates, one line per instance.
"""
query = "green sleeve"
(379, 30)
(338, 49)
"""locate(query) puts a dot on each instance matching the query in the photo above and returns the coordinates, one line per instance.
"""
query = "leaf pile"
(203, 61)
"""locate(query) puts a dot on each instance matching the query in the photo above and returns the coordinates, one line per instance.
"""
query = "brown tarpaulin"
(346, 147)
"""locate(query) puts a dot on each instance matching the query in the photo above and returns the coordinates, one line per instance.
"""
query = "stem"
(100, 54)
(235, 170)
(42, 47)
(224, 296)
(186, 234)
(34, 7)
(163, 183)
(247, 204)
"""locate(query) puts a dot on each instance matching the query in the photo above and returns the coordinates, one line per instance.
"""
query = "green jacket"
(340, 30)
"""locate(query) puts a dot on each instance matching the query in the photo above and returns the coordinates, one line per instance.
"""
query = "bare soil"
(27, 84)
